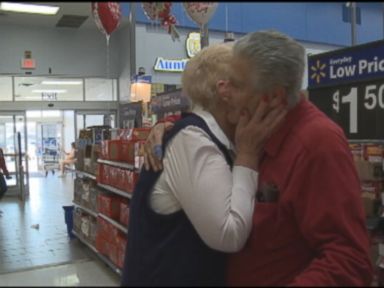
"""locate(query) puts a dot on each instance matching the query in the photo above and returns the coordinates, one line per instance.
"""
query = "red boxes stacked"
(110, 242)
(109, 205)
(119, 178)
(121, 243)
(127, 147)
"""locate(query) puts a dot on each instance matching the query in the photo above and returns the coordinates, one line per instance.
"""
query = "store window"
(5, 88)
(48, 89)
(98, 89)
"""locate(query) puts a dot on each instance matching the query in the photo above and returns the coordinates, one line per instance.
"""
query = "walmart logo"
(318, 71)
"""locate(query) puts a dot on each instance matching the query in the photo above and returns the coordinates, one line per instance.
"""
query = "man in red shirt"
(309, 224)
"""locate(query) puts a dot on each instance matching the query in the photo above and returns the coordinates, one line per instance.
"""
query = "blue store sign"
(348, 85)
(363, 62)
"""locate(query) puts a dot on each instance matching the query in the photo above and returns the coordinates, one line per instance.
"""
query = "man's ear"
(281, 94)
(222, 90)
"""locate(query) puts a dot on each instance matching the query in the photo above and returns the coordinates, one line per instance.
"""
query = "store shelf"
(114, 223)
(86, 174)
(89, 211)
(116, 164)
(115, 190)
(90, 246)
(102, 257)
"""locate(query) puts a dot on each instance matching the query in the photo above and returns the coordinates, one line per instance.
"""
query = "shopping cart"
(50, 161)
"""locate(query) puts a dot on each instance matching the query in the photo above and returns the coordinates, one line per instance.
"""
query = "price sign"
(348, 86)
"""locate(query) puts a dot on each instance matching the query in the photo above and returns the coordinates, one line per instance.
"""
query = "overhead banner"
(359, 63)
(348, 86)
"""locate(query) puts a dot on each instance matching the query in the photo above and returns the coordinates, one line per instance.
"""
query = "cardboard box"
(368, 170)
(373, 187)
(373, 153)
(357, 151)
(369, 203)
(92, 230)
(85, 225)
(79, 164)
(140, 134)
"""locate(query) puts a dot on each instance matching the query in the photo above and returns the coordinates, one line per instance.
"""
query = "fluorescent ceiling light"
(29, 8)
(52, 82)
(49, 91)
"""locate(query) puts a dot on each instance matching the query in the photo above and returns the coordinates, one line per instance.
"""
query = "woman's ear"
(222, 90)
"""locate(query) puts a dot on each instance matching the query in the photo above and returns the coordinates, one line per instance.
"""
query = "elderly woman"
(183, 218)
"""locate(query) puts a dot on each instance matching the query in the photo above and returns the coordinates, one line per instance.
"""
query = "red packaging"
(128, 152)
(104, 149)
(105, 177)
(140, 134)
(120, 178)
(112, 176)
(102, 227)
(99, 173)
(100, 244)
(131, 178)
(112, 253)
(121, 243)
(109, 206)
(124, 213)
(114, 150)
(120, 258)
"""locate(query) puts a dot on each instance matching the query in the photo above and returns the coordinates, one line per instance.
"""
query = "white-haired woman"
(183, 219)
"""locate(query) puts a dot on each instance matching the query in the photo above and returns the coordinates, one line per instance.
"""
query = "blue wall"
(311, 22)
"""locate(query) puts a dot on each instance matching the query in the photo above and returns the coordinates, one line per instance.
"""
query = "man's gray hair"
(276, 60)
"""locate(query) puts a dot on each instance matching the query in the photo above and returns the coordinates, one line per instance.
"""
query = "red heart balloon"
(107, 16)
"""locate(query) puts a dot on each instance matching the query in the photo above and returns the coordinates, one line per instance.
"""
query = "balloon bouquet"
(107, 16)
(201, 13)
(156, 11)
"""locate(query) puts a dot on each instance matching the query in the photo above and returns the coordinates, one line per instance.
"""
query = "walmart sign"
(346, 65)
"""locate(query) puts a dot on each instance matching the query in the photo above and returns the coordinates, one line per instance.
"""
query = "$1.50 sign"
(348, 86)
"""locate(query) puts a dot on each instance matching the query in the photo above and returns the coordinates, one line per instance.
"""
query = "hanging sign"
(170, 65)
(193, 44)
(348, 86)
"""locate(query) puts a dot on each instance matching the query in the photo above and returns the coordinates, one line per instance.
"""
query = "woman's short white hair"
(276, 61)
(202, 72)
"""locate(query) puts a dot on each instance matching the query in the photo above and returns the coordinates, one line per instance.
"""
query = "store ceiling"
(66, 9)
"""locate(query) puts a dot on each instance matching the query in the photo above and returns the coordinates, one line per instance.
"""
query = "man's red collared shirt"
(315, 233)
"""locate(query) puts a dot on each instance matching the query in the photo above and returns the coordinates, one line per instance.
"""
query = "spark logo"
(318, 71)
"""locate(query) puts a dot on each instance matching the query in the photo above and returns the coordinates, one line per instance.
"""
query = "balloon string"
(107, 56)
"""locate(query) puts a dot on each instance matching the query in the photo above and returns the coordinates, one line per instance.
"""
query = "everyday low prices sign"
(348, 85)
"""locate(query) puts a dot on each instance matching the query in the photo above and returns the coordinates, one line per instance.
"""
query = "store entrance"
(13, 141)
(50, 133)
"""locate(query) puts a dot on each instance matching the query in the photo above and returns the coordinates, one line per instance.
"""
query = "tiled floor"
(23, 247)
(85, 273)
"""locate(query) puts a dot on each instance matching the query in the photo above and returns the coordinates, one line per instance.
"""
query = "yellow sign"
(192, 44)
(318, 71)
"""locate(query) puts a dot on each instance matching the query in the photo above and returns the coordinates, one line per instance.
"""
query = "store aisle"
(85, 273)
(23, 247)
